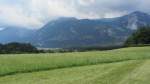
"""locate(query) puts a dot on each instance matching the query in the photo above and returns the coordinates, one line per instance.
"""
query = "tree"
(1, 48)
(141, 36)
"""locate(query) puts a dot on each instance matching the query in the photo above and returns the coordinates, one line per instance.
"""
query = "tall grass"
(12, 64)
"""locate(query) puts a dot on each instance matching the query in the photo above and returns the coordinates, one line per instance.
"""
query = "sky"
(36, 13)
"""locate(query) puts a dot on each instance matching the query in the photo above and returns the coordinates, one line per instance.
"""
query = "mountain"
(134, 20)
(72, 32)
(15, 34)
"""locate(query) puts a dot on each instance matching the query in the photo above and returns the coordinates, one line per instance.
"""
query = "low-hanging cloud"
(35, 13)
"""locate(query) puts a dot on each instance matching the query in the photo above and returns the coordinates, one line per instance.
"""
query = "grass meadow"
(120, 66)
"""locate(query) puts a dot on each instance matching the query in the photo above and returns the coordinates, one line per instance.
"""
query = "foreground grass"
(13, 64)
(128, 72)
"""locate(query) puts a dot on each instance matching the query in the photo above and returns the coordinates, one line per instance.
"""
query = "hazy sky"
(35, 13)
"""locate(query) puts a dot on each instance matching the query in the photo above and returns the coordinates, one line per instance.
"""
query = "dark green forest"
(17, 48)
(140, 37)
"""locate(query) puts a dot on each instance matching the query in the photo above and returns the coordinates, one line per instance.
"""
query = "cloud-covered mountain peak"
(138, 13)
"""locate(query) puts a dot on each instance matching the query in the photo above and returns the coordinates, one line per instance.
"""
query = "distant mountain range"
(15, 34)
(72, 32)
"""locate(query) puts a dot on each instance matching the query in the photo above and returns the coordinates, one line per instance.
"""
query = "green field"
(121, 66)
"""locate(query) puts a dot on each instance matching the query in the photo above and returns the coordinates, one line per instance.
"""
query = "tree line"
(22, 48)
(17, 48)
(139, 38)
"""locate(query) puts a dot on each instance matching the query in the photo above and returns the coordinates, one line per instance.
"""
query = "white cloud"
(86, 2)
(35, 13)
(16, 16)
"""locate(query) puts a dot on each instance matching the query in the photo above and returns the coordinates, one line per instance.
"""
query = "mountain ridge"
(98, 32)
(71, 32)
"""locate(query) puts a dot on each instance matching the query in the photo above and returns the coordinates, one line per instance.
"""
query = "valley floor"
(133, 68)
